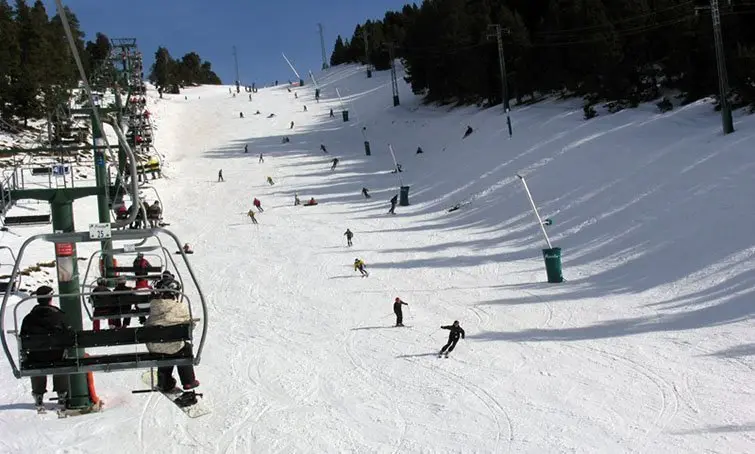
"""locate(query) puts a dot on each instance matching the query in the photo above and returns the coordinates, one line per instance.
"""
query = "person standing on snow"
(360, 266)
(453, 338)
(258, 204)
(296, 199)
(261, 158)
(246, 147)
(46, 319)
(394, 201)
(349, 236)
(220, 175)
(397, 303)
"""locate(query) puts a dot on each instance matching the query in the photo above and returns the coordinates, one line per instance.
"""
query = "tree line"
(624, 51)
(37, 69)
(169, 75)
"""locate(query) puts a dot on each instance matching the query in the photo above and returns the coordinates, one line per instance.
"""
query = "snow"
(647, 347)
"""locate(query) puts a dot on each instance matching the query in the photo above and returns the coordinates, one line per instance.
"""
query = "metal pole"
(504, 79)
(291, 66)
(395, 166)
(723, 79)
(394, 80)
(62, 221)
(322, 47)
(103, 181)
(534, 210)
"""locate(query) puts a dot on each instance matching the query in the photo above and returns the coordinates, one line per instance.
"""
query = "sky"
(261, 30)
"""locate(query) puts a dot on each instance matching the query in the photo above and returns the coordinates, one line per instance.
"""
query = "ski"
(185, 400)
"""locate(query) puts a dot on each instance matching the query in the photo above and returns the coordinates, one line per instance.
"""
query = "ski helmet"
(398, 299)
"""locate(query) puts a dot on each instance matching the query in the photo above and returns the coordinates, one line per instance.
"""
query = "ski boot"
(39, 403)
(62, 400)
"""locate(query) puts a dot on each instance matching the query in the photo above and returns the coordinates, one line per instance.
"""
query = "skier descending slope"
(359, 265)
(453, 338)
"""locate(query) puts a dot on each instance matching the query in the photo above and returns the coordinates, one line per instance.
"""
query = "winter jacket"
(45, 319)
(167, 312)
(141, 265)
(349, 234)
(394, 200)
(358, 265)
(155, 212)
(397, 307)
(455, 332)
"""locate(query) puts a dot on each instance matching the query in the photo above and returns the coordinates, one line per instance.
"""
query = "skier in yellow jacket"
(359, 265)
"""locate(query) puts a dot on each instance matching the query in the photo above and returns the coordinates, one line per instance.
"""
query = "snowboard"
(182, 399)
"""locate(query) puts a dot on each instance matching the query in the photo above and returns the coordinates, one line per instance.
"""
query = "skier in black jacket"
(397, 303)
(453, 338)
(349, 235)
(394, 201)
(46, 319)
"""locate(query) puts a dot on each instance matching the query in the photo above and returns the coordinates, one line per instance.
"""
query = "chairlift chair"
(75, 342)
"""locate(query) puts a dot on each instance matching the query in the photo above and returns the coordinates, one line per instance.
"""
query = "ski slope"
(648, 346)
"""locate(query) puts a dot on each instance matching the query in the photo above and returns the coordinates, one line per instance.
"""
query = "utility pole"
(394, 81)
(325, 64)
(496, 33)
(236, 61)
(723, 78)
(365, 38)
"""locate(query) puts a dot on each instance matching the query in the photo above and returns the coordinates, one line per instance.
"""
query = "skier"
(397, 303)
(167, 310)
(292, 125)
(419, 150)
(366, 193)
(261, 158)
(46, 319)
(322, 147)
(394, 201)
(250, 97)
(220, 175)
(468, 132)
(453, 338)
(305, 108)
(258, 204)
(250, 213)
(246, 148)
(241, 114)
(335, 163)
(349, 235)
(296, 199)
(296, 95)
(331, 113)
(360, 266)
(270, 181)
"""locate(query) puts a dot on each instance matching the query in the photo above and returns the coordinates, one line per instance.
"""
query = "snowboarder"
(46, 319)
(310, 202)
(322, 147)
(359, 265)
(468, 132)
(167, 310)
(453, 338)
(258, 204)
(397, 303)
(250, 213)
(349, 235)
(335, 163)
(366, 193)
(270, 181)
(394, 201)
(246, 148)
(296, 199)
(261, 158)
(220, 175)
(187, 249)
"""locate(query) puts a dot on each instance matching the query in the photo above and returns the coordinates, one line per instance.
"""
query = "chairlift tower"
(325, 64)
(394, 80)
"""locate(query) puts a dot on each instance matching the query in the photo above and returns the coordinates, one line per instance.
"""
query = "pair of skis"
(187, 401)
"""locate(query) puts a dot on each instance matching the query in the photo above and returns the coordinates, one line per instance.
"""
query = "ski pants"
(348, 241)
(399, 317)
(393, 209)
(39, 384)
(450, 345)
(165, 378)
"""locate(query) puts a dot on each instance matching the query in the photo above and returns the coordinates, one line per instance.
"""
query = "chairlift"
(75, 342)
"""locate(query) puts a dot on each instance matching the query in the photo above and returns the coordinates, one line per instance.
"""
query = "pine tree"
(338, 56)
(10, 54)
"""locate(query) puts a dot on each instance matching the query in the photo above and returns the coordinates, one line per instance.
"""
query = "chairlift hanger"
(84, 339)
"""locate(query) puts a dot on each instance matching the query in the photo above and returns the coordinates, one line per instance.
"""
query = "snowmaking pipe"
(291, 66)
(534, 210)
(395, 166)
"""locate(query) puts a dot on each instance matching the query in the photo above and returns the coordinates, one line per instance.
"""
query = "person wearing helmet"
(453, 338)
(359, 265)
(166, 309)
(397, 303)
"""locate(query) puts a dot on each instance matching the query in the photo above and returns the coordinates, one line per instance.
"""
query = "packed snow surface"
(647, 347)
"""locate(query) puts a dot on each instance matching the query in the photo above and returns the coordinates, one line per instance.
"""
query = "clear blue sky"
(260, 29)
